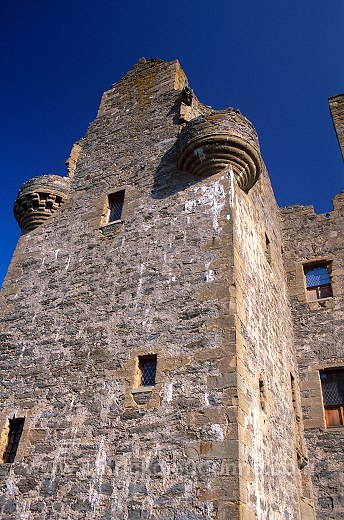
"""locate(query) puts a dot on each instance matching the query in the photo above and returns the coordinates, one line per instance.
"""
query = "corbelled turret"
(39, 199)
(219, 141)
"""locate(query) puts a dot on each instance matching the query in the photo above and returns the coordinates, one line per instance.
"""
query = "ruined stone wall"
(82, 301)
(319, 332)
(337, 112)
(265, 363)
(186, 274)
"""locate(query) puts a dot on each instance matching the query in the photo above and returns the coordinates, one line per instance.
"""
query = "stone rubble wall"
(337, 112)
(82, 301)
(319, 333)
(192, 273)
(265, 359)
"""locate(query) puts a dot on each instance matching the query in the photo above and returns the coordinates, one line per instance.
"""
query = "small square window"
(318, 282)
(15, 430)
(147, 370)
(332, 382)
(115, 203)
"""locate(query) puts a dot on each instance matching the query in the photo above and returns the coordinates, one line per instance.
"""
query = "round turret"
(219, 141)
(39, 199)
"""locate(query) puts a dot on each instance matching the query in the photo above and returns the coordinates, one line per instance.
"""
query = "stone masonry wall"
(265, 363)
(81, 302)
(191, 273)
(337, 112)
(319, 332)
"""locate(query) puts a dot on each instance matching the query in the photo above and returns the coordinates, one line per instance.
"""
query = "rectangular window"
(115, 202)
(147, 370)
(14, 434)
(332, 382)
(318, 282)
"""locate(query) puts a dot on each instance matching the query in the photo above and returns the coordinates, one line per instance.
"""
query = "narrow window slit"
(267, 249)
(15, 431)
(262, 395)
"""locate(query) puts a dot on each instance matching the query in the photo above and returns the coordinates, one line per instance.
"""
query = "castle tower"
(148, 361)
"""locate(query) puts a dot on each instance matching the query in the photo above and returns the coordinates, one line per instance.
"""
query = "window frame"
(317, 289)
(114, 195)
(328, 408)
(141, 361)
(328, 418)
(13, 438)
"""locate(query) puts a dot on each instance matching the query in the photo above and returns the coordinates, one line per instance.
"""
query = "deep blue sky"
(278, 62)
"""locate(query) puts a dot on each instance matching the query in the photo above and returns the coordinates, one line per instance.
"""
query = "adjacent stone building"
(171, 341)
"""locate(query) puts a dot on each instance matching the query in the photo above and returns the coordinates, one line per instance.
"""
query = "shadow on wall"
(168, 179)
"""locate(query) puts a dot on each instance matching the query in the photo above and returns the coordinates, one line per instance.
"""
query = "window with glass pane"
(116, 201)
(147, 370)
(332, 382)
(318, 282)
(15, 430)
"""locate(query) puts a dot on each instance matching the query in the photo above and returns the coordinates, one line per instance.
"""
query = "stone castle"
(171, 340)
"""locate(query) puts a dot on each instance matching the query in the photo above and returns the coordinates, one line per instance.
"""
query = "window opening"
(332, 383)
(147, 370)
(262, 395)
(116, 201)
(302, 460)
(267, 249)
(318, 282)
(15, 430)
